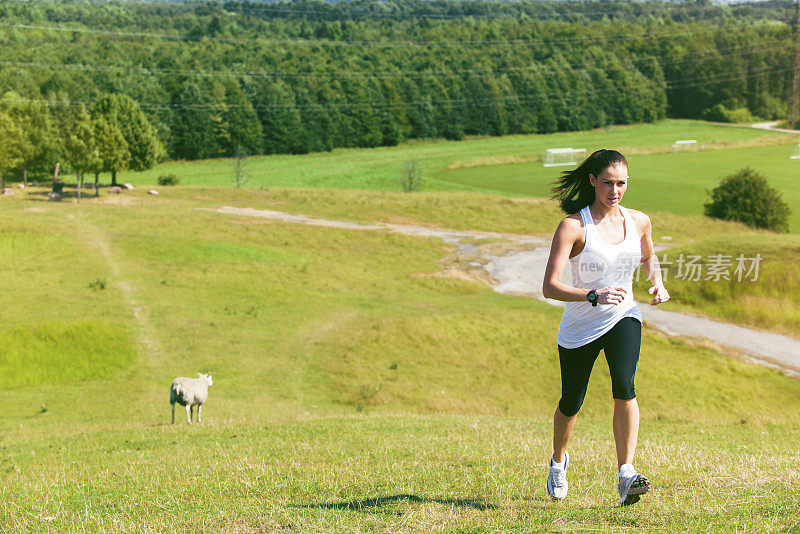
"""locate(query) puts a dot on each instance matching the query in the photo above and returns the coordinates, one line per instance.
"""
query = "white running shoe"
(631, 485)
(557, 481)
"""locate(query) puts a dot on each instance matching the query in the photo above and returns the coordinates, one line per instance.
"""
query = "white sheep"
(189, 392)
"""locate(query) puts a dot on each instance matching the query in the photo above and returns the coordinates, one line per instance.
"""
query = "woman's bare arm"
(650, 264)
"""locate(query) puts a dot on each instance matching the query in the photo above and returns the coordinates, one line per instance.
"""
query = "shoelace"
(559, 477)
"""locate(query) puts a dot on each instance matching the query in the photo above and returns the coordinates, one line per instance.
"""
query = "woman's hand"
(610, 295)
(659, 293)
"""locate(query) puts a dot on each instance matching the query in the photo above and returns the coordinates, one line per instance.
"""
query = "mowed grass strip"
(674, 183)
(378, 168)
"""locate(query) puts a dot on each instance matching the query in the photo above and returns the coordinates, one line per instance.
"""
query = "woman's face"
(610, 185)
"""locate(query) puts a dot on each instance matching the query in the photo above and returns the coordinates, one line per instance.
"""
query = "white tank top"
(599, 265)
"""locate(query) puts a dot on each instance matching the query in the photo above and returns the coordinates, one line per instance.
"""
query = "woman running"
(604, 243)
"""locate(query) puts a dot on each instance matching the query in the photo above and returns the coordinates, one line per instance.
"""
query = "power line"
(379, 44)
(479, 72)
(633, 9)
(412, 15)
(547, 97)
(658, 9)
(724, 77)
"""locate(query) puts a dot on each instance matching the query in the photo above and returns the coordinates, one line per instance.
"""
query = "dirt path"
(771, 126)
(520, 271)
(147, 333)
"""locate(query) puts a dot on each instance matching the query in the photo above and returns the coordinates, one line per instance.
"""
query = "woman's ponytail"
(573, 190)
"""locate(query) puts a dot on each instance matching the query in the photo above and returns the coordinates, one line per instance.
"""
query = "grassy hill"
(355, 388)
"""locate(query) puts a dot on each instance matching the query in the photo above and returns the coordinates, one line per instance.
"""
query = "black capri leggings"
(621, 346)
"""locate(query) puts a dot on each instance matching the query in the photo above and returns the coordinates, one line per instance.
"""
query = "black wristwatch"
(592, 297)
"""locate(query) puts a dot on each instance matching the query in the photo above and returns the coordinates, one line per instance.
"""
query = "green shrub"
(740, 115)
(747, 197)
(410, 176)
(720, 113)
(168, 179)
(98, 284)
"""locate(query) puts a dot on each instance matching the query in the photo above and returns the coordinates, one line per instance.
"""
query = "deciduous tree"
(12, 144)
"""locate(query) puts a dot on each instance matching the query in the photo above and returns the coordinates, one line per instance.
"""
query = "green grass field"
(355, 388)
(511, 166)
(677, 183)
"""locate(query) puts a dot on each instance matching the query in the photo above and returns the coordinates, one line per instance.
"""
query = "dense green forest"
(203, 78)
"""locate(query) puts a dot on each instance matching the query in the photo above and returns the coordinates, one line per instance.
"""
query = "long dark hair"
(573, 190)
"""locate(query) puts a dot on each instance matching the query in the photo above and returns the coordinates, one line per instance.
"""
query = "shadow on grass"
(66, 194)
(373, 505)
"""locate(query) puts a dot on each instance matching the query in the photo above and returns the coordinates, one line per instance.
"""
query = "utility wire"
(551, 97)
(379, 44)
(455, 73)
(506, 11)
(659, 9)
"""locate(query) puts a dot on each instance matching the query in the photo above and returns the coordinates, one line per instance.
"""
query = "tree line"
(211, 78)
(114, 134)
